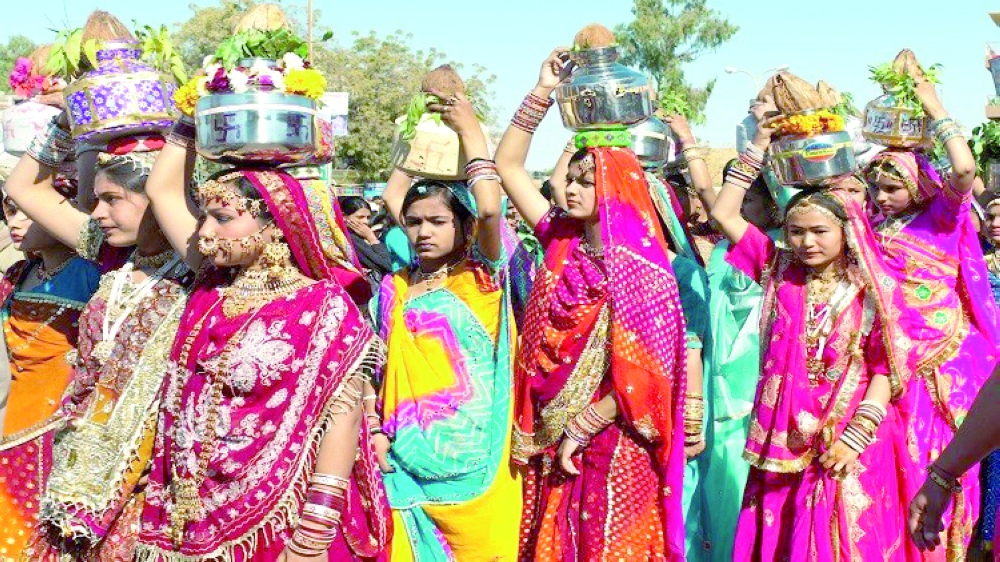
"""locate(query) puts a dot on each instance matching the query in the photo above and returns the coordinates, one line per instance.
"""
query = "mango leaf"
(90, 51)
(73, 44)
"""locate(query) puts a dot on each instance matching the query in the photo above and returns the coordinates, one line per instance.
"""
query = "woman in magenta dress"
(932, 246)
(261, 452)
(829, 465)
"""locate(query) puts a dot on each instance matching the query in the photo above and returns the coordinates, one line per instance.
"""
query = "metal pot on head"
(603, 93)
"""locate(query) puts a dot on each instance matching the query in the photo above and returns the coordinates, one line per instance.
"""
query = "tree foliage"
(667, 34)
(380, 73)
(16, 47)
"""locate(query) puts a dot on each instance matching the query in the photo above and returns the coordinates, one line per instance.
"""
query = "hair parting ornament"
(891, 170)
(810, 203)
(141, 162)
(587, 163)
(222, 190)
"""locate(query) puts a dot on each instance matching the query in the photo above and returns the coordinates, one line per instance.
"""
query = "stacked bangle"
(182, 134)
(747, 167)
(945, 129)
(694, 418)
(479, 169)
(944, 479)
(326, 500)
(374, 424)
(693, 152)
(52, 146)
(586, 425)
(529, 116)
(861, 431)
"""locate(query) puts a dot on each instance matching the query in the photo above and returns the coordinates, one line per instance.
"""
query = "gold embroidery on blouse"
(575, 395)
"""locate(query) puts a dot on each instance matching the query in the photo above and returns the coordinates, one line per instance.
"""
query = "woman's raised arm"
(513, 150)
(175, 211)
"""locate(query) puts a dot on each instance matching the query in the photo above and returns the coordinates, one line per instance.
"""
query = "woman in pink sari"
(932, 246)
(261, 453)
(826, 443)
(600, 377)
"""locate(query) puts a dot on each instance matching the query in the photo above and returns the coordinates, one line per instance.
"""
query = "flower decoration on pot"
(256, 98)
(813, 146)
(259, 70)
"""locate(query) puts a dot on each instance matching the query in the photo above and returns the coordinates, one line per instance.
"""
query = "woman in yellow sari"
(444, 426)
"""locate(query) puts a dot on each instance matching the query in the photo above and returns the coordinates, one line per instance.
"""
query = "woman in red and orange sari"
(599, 391)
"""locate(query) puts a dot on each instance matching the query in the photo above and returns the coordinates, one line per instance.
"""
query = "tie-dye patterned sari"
(446, 402)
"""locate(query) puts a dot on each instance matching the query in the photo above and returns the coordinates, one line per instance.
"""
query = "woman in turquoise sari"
(692, 283)
(443, 426)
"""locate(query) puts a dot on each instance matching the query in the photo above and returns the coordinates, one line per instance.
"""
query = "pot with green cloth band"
(891, 124)
(812, 160)
(609, 137)
(603, 93)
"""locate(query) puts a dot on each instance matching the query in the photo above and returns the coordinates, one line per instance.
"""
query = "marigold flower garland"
(810, 124)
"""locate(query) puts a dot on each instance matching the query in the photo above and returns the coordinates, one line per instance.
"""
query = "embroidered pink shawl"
(288, 365)
(791, 413)
(925, 184)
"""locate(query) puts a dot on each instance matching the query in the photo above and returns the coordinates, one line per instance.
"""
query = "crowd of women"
(635, 367)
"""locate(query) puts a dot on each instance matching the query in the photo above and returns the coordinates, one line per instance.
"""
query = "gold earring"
(275, 257)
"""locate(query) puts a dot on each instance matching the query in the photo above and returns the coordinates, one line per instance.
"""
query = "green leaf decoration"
(902, 86)
(90, 51)
(846, 107)
(73, 49)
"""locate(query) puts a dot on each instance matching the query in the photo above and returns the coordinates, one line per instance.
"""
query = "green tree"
(667, 34)
(16, 47)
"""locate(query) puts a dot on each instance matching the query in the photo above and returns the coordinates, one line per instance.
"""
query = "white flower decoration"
(238, 81)
(202, 86)
(208, 61)
(259, 68)
(291, 61)
(211, 69)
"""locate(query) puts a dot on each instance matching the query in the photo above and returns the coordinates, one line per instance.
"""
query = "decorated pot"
(434, 153)
(995, 71)
(782, 194)
(655, 145)
(889, 124)
(811, 160)
(603, 93)
(256, 126)
(122, 96)
(23, 122)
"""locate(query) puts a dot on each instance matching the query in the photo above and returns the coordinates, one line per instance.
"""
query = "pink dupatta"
(789, 419)
(287, 370)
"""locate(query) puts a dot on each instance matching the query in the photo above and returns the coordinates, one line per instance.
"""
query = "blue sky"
(512, 37)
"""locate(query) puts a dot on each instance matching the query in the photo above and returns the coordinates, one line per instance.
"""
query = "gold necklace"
(252, 289)
(185, 489)
(44, 274)
(820, 289)
(436, 275)
(155, 261)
